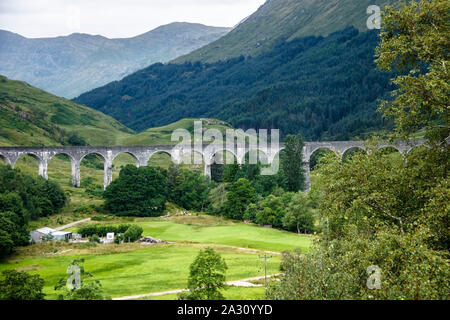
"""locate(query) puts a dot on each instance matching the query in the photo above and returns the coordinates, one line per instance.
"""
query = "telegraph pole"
(265, 267)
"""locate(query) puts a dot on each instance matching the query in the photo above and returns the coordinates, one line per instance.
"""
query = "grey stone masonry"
(142, 154)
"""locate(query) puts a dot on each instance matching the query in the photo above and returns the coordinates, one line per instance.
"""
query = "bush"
(19, 285)
(102, 230)
(133, 233)
(94, 238)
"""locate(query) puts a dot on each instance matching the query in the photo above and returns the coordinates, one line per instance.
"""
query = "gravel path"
(72, 224)
(236, 283)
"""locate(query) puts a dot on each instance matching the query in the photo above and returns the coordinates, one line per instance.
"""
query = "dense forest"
(324, 87)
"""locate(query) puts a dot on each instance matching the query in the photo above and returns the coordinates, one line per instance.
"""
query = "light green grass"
(155, 269)
(213, 230)
(230, 293)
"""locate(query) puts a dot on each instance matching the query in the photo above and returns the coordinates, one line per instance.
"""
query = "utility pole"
(265, 267)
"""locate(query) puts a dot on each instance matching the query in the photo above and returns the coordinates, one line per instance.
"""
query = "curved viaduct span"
(142, 154)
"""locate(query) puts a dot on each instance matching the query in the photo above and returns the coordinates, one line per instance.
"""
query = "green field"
(133, 269)
(152, 269)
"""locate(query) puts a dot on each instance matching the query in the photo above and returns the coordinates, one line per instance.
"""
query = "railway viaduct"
(142, 154)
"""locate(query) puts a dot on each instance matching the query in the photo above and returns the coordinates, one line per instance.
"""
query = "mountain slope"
(325, 87)
(279, 20)
(33, 117)
(68, 66)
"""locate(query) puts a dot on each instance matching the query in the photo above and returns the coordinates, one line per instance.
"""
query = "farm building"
(46, 234)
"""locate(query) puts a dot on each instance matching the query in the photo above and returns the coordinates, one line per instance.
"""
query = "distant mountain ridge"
(70, 65)
(285, 20)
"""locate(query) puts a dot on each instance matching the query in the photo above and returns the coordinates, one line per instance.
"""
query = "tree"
(241, 194)
(292, 163)
(415, 39)
(12, 233)
(299, 214)
(137, 192)
(133, 233)
(217, 199)
(206, 276)
(19, 285)
(74, 288)
(192, 190)
(271, 211)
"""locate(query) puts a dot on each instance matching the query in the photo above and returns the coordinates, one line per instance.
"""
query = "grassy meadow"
(133, 269)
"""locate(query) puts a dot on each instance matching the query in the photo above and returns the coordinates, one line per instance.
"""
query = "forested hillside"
(325, 87)
(285, 20)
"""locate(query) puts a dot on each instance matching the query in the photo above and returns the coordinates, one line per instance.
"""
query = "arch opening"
(352, 152)
(120, 161)
(318, 156)
(92, 168)
(220, 160)
(2, 159)
(28, 163)
(192, 161)
(60, 169)
(160, 159)
(416, 153)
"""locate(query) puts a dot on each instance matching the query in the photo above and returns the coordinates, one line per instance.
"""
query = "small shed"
(43, 234)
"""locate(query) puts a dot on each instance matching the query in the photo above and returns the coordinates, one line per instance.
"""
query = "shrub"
(133, 233)
(19, 285)
(94, 238)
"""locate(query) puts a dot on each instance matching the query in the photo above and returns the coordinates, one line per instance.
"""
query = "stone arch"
(92, 170)
(71, 158)
(58, 171)
(388, 149)
(412, 149)
(128, 153)
(220, 157)
(122, 159)
(317, 154)
(317, 148)
(260, 155)
(218, 160)
(42, 165)
(29, 154)
(156, 158)
(93, 153)
(193, 158)
(349, 152)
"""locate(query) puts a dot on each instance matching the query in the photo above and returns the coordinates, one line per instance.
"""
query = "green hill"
(280, 20)
(33, 117)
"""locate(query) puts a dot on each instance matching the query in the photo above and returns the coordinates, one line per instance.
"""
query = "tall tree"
(292, 162)
(240, 195)
(299, 214)
(415, 40)
(206, 276)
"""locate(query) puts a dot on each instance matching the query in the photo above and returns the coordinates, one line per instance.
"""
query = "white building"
(42, 234)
